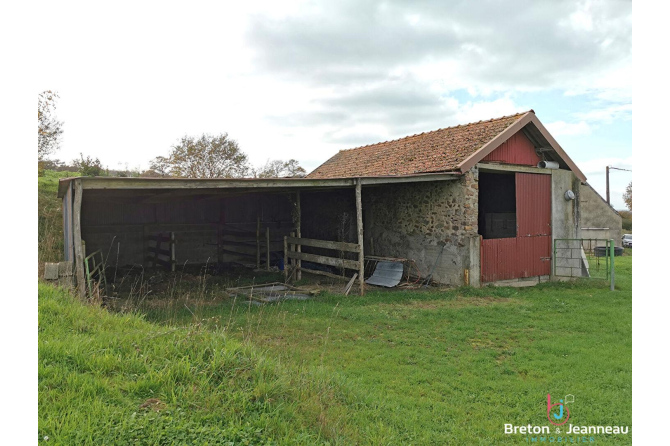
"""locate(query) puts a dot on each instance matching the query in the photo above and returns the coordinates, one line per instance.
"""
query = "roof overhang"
(537, 133)
(250, 185)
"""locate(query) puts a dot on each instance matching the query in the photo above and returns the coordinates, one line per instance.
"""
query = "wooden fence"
(293, 251)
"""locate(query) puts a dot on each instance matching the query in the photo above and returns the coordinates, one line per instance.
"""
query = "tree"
(280, 169)
(49, 129)
(88, 166)
(206, 157)
(628, 196)
(626, 220)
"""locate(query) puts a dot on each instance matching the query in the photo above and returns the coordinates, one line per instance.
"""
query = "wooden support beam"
(347, 288)
(258, 242)
(267, 251)
(78, 247)
(219, 244)
(324, 260)
(325, 273)
(291, 249)
(325, 244)
(173, 254)
(298, 233)
(285, 259)
(359, 226)
(67, 225)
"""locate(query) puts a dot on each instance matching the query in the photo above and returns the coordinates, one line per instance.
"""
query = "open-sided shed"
(163, 222)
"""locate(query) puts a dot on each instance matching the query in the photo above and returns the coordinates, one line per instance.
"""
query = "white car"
(627, 240)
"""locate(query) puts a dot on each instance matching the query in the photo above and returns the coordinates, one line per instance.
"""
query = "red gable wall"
(516, 150)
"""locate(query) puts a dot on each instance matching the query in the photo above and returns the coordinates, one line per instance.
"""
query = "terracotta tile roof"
(437, 151)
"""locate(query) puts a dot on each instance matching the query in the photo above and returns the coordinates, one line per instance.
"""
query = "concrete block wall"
(596, 213)
(570, 259)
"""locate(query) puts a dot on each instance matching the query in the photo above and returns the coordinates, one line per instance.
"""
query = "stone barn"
(471, 204)
(512, 191)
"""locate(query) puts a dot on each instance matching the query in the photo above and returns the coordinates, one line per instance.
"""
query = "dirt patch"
(458, 302)
(153, 404)
(461, 301)
(165, 303)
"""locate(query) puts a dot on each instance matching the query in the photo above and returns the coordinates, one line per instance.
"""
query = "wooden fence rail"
(292, 251)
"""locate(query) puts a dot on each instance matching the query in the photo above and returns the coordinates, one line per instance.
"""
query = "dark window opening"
(497, 205)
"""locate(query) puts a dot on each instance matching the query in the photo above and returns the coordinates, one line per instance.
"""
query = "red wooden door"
(529, 253)
(533, 217)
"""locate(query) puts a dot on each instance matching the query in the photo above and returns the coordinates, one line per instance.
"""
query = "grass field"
(117, 379)
(448, 367)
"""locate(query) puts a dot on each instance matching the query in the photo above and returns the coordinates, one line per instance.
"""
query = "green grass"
(450, 367)
(116, 379)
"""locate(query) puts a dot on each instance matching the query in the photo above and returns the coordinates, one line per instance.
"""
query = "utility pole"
(607, 180)
(607, 185)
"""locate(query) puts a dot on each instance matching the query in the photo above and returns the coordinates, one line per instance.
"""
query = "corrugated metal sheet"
(529, 253)
(533, 204)
(516, 150)
(387, 274)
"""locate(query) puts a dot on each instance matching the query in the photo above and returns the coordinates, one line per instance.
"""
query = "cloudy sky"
(304, 79)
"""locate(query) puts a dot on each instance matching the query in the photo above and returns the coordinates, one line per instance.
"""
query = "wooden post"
(267, 242)
(145, 245)
(173, 257)
(298, 273)
(258, 242)
(359, 226)
(78, 248)
(219, 244)
(292, 247)
(67, 225)
(285, 260)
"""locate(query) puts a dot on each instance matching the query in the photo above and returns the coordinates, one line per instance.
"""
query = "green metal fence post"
(554, 259)
(611, 265)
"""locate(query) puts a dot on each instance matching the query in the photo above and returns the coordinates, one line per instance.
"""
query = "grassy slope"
(117, 379)
(453, 367)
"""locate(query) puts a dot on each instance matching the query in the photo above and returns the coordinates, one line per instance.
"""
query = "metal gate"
(529, 253)
(588, 258)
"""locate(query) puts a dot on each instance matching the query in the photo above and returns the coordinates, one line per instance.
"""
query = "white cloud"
(304, 79)
(482, 110)
(581, 19)
(607, 114)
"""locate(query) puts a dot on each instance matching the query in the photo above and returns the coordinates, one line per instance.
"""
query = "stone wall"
(414, 220)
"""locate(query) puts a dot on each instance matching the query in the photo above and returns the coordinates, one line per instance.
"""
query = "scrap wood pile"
(273, 292)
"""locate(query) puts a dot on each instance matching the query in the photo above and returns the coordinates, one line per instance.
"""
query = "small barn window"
(497, 205)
